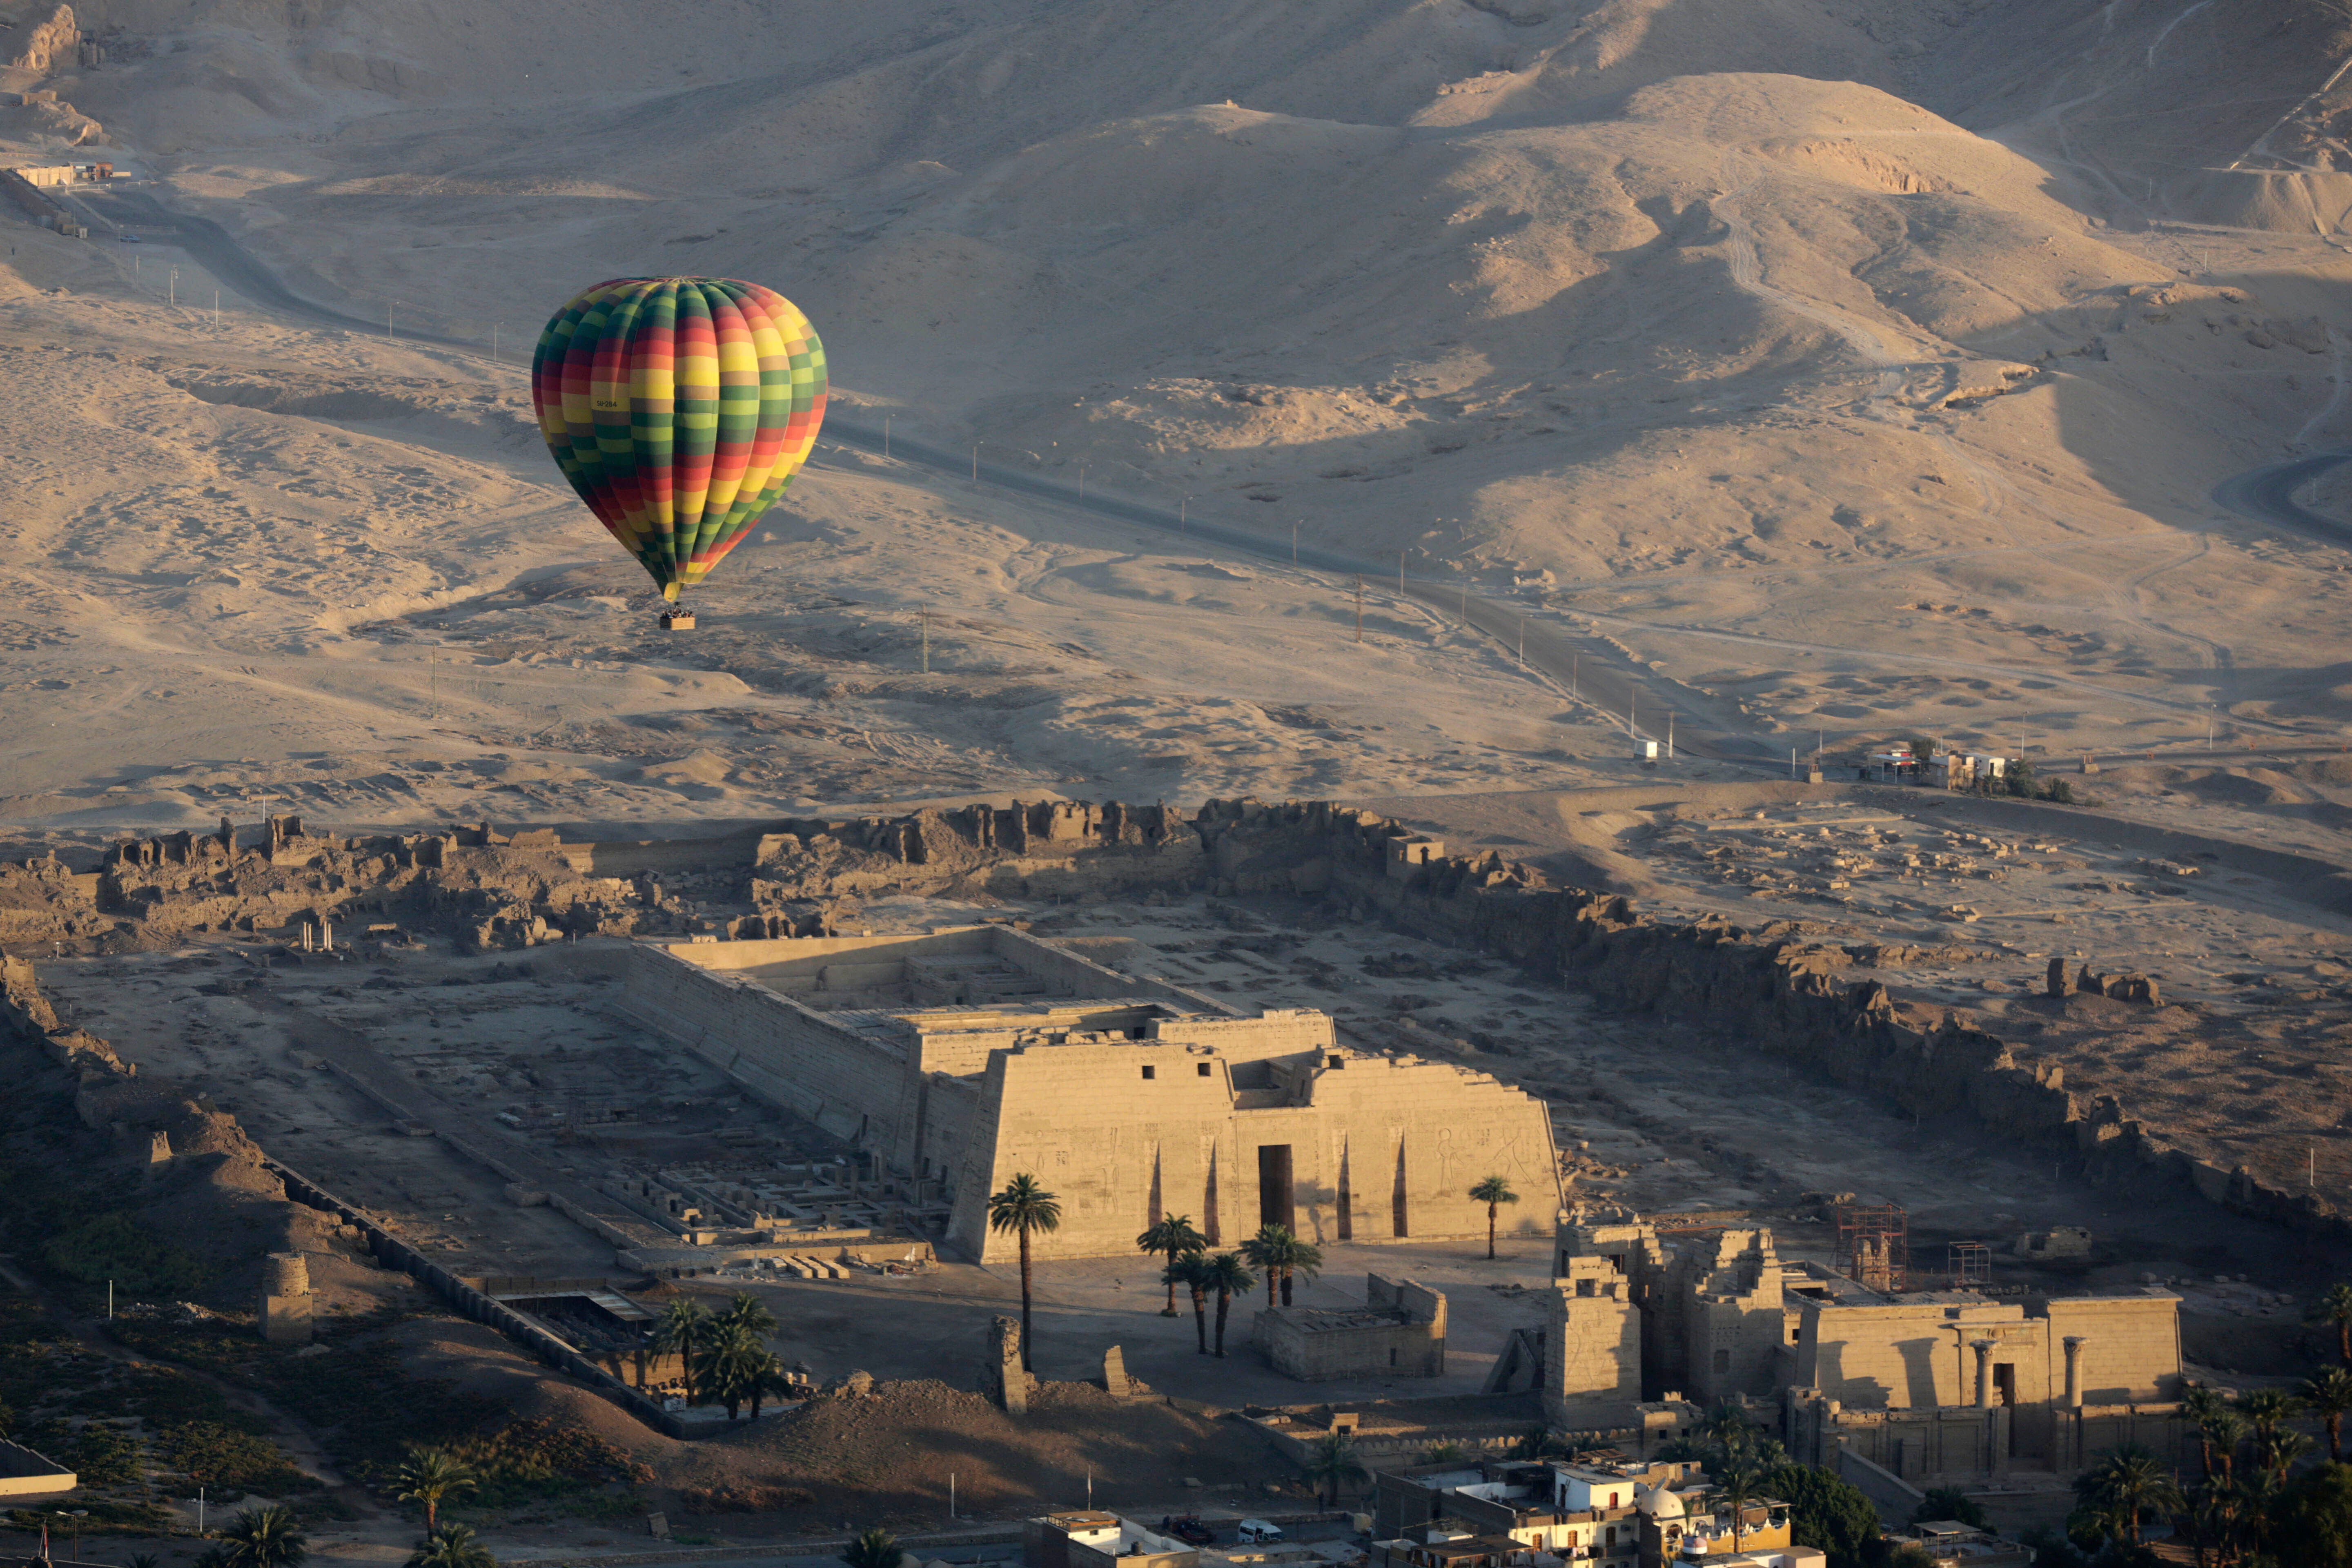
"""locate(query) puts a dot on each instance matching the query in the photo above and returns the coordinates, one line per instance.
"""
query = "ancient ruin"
(1400, 1331)
(687, 1060)
(1935, 1386)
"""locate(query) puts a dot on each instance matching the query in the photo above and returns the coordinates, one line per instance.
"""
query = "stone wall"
(1400, 1331)
(1373, 1149)
(853, 1084)
(1769, 986)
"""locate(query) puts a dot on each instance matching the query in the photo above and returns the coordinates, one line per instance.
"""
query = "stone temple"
(967, 1055)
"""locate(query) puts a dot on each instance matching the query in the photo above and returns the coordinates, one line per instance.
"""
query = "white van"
(1257, 1532)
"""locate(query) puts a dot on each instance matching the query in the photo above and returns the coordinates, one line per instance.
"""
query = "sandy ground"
(1647, 1112)
(1856, 373)
(1851, 373)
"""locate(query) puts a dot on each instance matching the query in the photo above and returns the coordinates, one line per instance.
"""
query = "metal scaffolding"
(1971, 1264)
(1873, 1245)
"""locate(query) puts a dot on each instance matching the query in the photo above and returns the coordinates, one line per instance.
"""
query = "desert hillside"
(1839, 371)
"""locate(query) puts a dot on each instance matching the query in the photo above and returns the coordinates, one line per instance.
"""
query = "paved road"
(2267, 495)
(1595, 674)
(1592, 673)
(119, 211)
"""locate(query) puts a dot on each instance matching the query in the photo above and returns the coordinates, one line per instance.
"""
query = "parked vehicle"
(1257, 1532)
(1189, 1530)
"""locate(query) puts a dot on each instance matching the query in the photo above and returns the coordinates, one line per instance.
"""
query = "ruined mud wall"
(1046, 850)
(491, 891)
(1769, 985)
(151, 1120)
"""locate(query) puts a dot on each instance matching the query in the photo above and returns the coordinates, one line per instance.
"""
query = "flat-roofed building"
(1126, 1095)
(1086, 1539)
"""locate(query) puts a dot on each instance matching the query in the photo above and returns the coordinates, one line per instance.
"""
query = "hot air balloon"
(680, 408)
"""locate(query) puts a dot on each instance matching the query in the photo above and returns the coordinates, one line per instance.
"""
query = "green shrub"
(116, 1247)
(524, 1460)
(1830, 1512)
(213, 1455)
(100, 1454)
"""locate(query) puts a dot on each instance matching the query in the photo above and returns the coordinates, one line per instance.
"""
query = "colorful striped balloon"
(680, 408)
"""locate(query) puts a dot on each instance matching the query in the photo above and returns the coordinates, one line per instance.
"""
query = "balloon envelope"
(680, 408)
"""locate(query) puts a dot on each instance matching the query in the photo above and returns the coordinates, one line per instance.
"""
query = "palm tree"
(1300, 1257)
(2212, 1521)
(452, 1546)
(2280, 1450)
(2257, 1501)
(1738, 1474)
(2224, 1429)
(1335, 1462)
(746, 1311)
(682, 1326)
(729, 1363)
(2334, 1309)
(2128, 1482)
(2329, 1392)
(264, 1538)
(1171, 1239)
(1191, 1269)
(429, 1474)
(2201, 1404)
(1726, 1427)
(1264, 1252)
(2266, 1410)
(1443, 1454)
(877, 1548)
(143, 1559)
(1228, 1275)
(766, 1375)
(1492, 1192)
(1023, 1206)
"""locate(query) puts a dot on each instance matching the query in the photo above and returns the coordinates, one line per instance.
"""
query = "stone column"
(2075, 1343)
(1984, 1371)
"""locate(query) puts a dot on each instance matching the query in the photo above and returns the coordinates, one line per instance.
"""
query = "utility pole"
(927, 641)
(975, 462)
(1632, 702)
(172, 297)
(1184, 525)
(387, 318)
(1359, 609)
(1573, 659)
(1792, 761)
(1523, 642)
(1670, 735)
(495, 355)
(1400, 571)
(216, 307)
(885, 434)
(1082, 482)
